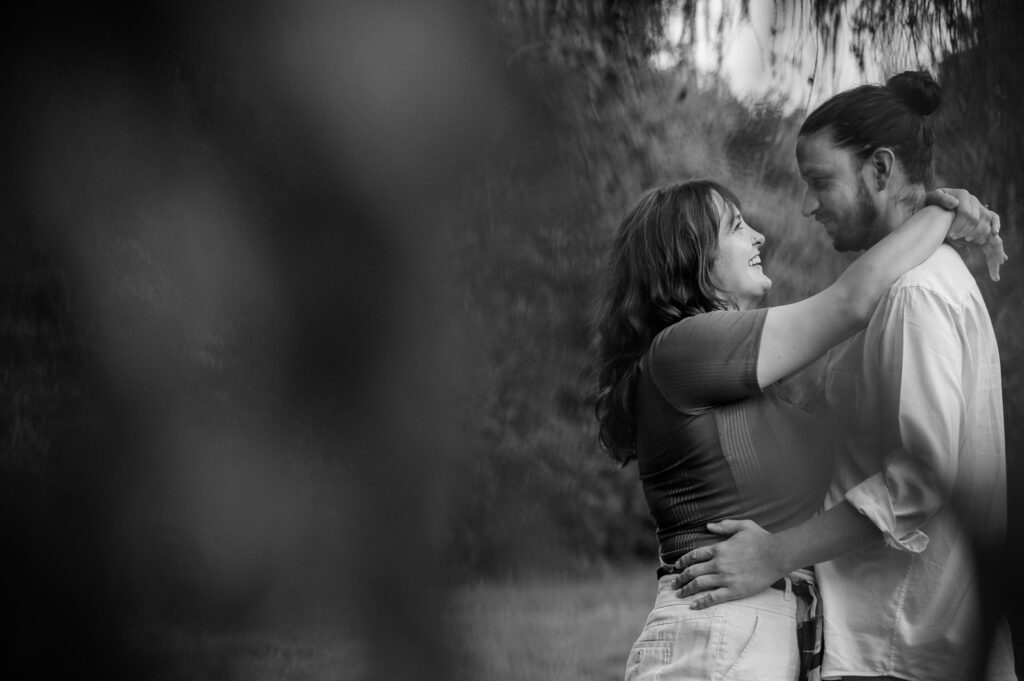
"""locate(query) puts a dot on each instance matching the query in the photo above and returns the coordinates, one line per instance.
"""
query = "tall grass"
(558, 626)
(564, 628)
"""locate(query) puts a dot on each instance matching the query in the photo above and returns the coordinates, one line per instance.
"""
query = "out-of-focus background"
(297, 303)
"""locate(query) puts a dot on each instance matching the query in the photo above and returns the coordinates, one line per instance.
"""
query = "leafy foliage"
(606, 124)
(529, 246)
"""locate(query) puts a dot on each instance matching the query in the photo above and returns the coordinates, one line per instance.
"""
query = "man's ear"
(882, 163)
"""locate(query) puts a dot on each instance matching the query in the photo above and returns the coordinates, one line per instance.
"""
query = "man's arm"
(917, 367)
(753, 558)
(917, 371)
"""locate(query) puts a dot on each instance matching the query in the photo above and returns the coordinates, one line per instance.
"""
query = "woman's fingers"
(977, 224)
(965, 220)
(995, 256)
(986, 227)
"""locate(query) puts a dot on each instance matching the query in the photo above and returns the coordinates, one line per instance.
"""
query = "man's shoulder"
(943, 273)
(939, 292)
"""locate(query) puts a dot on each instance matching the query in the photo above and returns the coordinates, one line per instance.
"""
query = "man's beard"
(859, 228)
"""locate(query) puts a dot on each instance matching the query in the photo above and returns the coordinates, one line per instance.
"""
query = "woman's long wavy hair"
(659, 271)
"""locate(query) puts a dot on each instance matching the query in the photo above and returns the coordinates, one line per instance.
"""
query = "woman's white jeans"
(752, 638)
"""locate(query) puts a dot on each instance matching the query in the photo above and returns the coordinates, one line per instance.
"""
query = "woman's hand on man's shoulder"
(973, 223)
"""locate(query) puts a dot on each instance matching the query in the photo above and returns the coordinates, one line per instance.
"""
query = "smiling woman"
(737, 267)
(687, 389)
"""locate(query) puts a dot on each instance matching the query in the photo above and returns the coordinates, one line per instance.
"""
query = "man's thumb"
(725, 526)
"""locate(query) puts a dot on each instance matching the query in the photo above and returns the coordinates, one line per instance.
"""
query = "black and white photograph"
(526, 340)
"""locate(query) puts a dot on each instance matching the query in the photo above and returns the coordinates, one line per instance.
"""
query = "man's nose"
(810, 204)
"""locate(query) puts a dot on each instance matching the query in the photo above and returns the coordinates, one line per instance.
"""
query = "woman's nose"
(758, 237)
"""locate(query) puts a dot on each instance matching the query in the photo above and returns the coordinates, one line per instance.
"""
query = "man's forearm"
(836, 532)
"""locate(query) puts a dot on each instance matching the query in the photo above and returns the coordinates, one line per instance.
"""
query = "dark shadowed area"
(227, 352)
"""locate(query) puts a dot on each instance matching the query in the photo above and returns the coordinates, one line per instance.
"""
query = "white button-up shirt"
(917, 397)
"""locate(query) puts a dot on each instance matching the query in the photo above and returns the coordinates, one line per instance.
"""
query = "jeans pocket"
(740, 629)
(648, 659)
(679, 644)
(757, 645)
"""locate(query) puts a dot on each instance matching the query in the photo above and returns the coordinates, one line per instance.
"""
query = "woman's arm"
(796, 334)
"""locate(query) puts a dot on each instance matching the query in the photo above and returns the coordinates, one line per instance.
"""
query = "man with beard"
(919, 480)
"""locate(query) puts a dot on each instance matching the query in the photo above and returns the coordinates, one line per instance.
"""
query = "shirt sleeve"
(708, 359)
(918, 362)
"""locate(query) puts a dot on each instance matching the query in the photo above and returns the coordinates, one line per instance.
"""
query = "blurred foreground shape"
(227, 355)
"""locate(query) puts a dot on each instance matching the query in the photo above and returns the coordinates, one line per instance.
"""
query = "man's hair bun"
(918, 90)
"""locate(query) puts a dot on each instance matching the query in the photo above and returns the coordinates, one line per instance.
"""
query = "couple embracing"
(834, 542)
